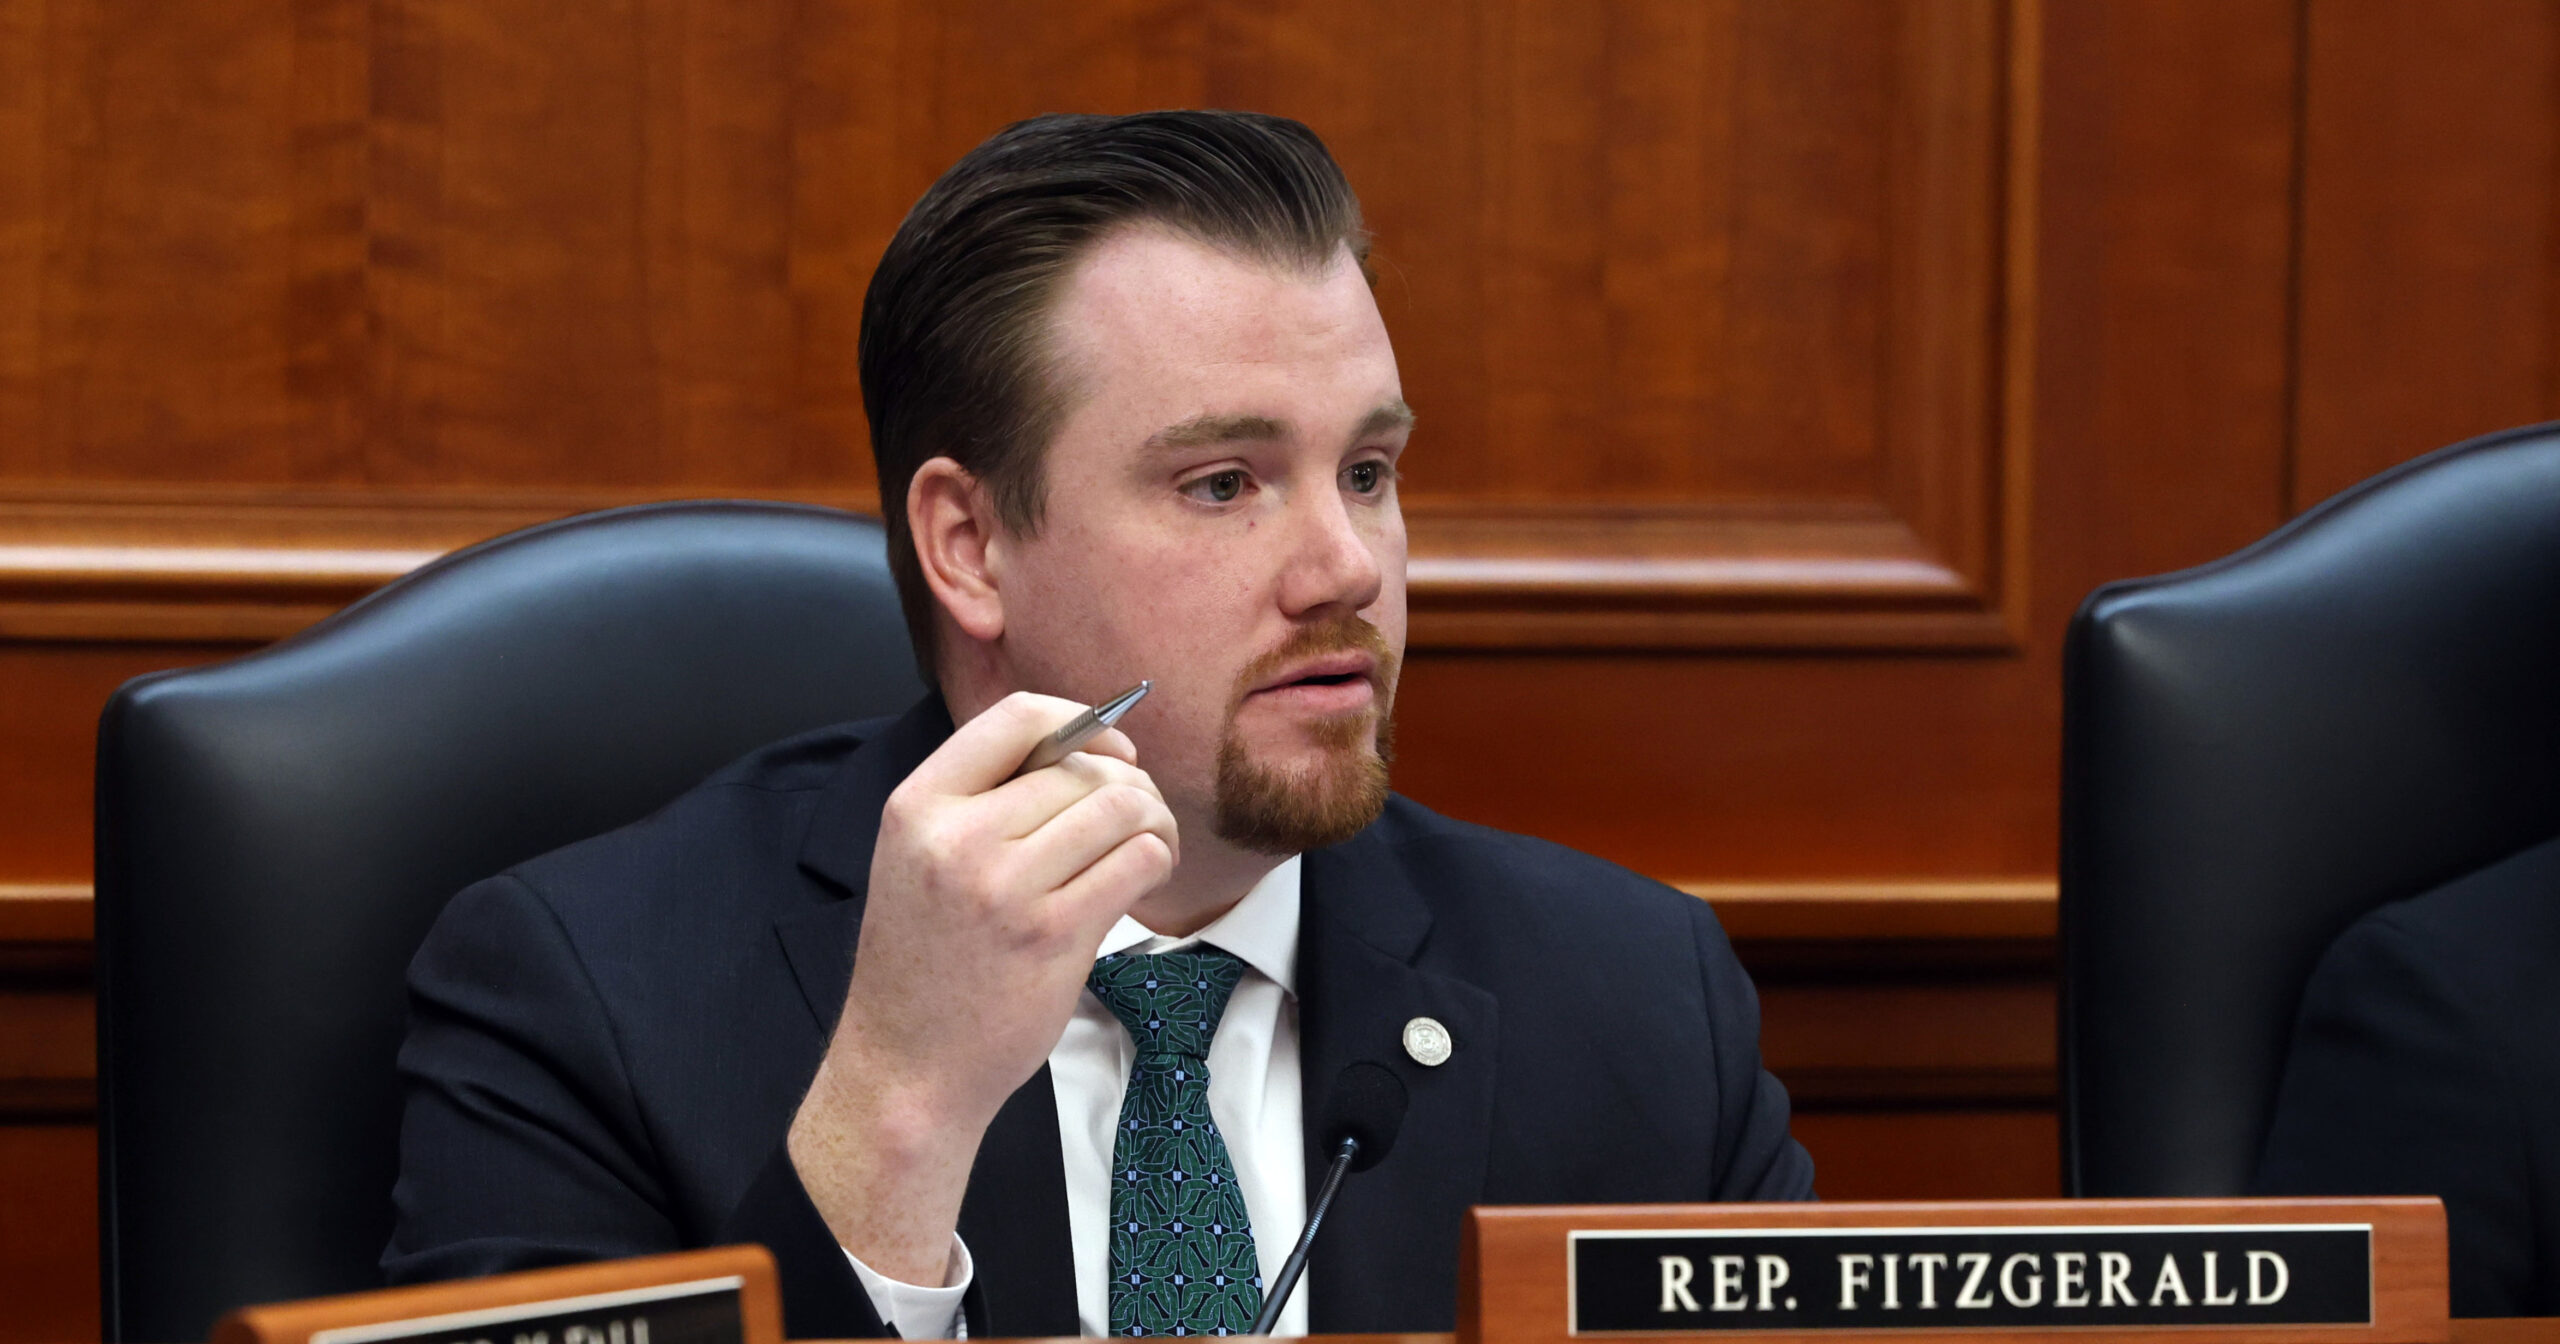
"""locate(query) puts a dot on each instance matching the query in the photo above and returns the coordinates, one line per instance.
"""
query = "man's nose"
(1331, 560)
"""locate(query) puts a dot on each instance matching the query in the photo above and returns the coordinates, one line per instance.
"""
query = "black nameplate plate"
(706, 1311)
(1883, 1278)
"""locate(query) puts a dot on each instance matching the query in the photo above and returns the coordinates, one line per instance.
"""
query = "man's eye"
(1365, 477)
(1218, 488)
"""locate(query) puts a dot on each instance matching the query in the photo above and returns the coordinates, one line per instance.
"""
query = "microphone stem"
(1296, 1264)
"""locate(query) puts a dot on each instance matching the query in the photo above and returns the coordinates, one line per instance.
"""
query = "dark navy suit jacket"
(2426, 1061)
(607, 1045)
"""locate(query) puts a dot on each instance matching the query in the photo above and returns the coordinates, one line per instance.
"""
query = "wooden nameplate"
(726, 1295)
(2304, 1271)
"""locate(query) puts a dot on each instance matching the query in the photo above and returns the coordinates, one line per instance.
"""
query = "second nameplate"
(2314, 1270)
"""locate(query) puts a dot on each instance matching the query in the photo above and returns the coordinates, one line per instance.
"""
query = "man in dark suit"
(1135, 416)
(2426, 1061)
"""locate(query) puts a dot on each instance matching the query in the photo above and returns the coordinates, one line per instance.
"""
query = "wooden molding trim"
(48, 1101)
(256, 567)
(46, 912)
(1814, 1087)
(109, 565)
(1597, 575)
(1988, 909)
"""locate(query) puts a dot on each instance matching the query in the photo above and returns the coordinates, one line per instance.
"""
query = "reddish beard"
(1288, 811)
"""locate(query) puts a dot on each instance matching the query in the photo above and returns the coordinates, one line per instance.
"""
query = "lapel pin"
(1427, 1041)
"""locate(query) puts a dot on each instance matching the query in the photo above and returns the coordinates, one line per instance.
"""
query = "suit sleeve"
(522, 1144)
(2392, 1089)
(1756, 1158)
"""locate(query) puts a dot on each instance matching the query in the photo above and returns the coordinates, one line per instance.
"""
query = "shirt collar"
(1261, 929)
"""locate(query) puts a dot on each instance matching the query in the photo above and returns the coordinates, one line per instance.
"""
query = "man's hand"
(988, 898)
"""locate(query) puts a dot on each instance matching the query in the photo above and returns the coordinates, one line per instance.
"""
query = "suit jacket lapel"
(818, 937)
(1014, 1218)
(1014, 1215)
(1388, 1257)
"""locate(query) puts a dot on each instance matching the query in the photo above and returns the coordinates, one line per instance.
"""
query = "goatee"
(1289, 811)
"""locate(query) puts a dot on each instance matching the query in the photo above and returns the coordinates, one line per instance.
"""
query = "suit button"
(1427, 1041)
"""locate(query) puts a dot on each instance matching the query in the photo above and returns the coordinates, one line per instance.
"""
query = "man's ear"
(953, 522)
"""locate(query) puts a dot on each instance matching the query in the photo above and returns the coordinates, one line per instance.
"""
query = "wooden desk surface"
(2474, 1330)
(2477, 1330)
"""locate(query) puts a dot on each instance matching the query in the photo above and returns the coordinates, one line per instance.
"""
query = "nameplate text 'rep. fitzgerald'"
(1882, 1278)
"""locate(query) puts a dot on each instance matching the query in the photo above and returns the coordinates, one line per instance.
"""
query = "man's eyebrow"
(1201, 430)
(1387, 419)
(1213, 428)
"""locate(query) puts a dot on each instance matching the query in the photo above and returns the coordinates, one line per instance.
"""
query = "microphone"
(1361, 1117)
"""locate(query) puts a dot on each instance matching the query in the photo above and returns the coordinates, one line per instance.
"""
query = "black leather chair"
(276, 833)
(2356, 709)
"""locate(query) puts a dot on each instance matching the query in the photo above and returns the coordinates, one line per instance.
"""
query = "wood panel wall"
(1788, 369)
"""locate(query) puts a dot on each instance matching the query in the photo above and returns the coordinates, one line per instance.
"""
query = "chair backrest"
(2359, 707)
(276, 833)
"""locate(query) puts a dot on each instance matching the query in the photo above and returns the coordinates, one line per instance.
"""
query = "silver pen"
(1080, 729)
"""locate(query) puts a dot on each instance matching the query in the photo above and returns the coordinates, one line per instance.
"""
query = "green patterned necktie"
(1182, 1260)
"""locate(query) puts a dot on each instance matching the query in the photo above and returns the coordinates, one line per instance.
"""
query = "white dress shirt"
(1253, 1095)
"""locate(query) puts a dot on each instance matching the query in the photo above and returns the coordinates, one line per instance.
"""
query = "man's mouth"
(1330, 678)
(1339, 669)
(1332, 687)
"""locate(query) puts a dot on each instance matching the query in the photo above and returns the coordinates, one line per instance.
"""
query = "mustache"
(1347, 633)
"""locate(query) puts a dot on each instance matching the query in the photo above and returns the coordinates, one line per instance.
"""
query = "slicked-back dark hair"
(954, 360)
